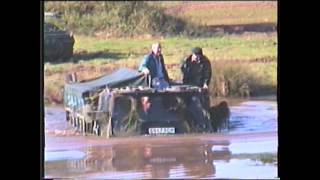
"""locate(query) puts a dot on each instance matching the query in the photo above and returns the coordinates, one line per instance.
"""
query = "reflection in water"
(242, 158)
(149, 161)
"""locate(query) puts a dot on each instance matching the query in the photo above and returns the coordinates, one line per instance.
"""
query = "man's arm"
(184, 69)
(143, 65)
(207, 73)
(184, 66)
(164, 69)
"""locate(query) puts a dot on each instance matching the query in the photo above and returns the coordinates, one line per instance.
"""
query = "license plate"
(163, 130)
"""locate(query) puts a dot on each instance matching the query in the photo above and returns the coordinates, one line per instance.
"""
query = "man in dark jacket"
(196, 69)
(153, 65)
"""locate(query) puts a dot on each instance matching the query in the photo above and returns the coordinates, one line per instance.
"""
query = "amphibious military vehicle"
(125, 103)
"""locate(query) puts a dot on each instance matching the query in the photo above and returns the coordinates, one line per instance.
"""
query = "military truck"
(58, 43)
(124, 103)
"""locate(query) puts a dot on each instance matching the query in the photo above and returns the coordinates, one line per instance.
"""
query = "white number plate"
(163, 130)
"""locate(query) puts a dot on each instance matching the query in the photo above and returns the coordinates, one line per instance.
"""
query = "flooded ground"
(248, 150)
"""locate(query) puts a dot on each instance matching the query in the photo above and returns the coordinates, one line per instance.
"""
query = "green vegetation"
(225, 13)
(231, 58)
(135, 18)
(110, 35)
(244, 47)
(234, 79)
(114, 18)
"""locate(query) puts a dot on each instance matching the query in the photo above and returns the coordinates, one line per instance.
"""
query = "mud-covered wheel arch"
(198, 116)
(124, 116)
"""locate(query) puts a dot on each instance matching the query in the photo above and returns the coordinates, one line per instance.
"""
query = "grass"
(244, 47)
(127, 18)
(261, 78)
(166, 18)
(230, 54)
(226, 16)
(220, 50)
(223, 13)
(92, 44)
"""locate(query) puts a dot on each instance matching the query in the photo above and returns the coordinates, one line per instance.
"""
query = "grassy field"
(244, 47)
(224, 52)
(249, 58)
(222, 13)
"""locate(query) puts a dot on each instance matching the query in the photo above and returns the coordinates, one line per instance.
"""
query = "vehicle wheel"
(67, 116)
(72, 122)
(89, 128)
(95, 128)
(77, 123)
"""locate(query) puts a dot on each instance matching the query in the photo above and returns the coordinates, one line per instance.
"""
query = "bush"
(117, 18)
(232, 79)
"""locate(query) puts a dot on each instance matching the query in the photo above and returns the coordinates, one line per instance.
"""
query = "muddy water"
(247, 150)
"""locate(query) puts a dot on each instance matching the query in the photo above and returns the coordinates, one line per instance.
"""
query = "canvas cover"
(76, 94)
(121, 78)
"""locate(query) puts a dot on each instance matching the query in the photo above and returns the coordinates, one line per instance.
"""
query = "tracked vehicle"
(125, 104)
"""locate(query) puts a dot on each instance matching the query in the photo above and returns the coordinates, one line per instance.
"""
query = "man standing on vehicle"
(196, 69)
(153, 65)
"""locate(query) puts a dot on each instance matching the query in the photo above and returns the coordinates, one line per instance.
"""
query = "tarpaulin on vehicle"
(121, 78)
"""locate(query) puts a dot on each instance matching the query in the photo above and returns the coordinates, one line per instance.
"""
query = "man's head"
(196, 53)
(156, 48)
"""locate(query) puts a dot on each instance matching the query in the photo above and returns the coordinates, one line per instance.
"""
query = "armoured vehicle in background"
(124, 104)
(58, 43)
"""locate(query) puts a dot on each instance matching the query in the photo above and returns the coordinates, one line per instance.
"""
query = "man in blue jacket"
(153, 65)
